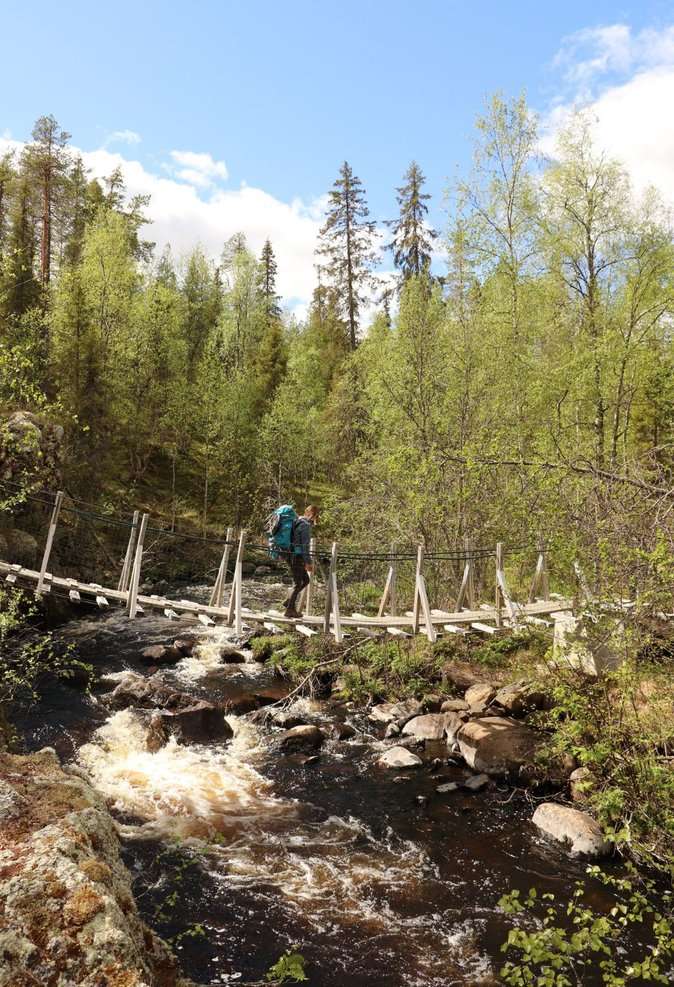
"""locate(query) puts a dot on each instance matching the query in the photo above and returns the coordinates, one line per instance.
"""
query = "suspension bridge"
(326, 613)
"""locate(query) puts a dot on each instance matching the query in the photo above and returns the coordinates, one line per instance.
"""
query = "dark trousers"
(300, 578)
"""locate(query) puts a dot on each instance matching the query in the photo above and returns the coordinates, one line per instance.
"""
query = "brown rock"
(399, 712)
(301, 739)
(431, 726)
(156, 736)
(196, 724)
(520, 697)
(161, 654)
(454, 706)
(185, 645)
(480, 693)
(496, 745)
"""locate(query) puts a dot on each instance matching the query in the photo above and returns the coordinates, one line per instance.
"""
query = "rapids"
(239, 852)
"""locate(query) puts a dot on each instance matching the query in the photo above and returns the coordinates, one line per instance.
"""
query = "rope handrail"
(322, 552)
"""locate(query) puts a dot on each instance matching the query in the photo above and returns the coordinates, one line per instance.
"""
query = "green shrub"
(556, 943)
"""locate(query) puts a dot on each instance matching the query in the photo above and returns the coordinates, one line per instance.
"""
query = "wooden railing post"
(417, 595)
(308, 592)
(467, 588)
(389, 594)
(336, 616)
(132, 597)
(42, 587)
(234, 608)
(540, 580)
(498, 594)
(218, 592)
(327, 610)
(123, 583)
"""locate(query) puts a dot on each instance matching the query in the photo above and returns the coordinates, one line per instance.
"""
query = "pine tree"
(412, 242)
(267, 281)
(347, 245)
(47, 161)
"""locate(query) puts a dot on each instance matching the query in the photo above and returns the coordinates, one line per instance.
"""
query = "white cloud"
(122, 137)
(627, 81)
(184, 215)
(197, 168)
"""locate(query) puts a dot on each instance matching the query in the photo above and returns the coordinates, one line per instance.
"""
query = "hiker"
(300, 561)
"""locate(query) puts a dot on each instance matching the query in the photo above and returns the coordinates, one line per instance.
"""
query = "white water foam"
(337, 871)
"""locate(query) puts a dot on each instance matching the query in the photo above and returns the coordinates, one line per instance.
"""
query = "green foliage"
(29, 656)
(265, 647)
(620, 727)
(288, 969)
(555, 944)
(499, 652)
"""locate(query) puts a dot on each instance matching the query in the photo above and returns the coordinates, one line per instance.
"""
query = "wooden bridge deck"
(206, 613)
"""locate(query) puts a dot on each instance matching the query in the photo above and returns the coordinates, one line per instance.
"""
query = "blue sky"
(280, 93)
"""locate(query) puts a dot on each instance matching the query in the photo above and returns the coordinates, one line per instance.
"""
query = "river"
(239, 853)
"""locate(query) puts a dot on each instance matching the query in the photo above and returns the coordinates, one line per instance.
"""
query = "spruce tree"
(347, 246)
(267, 281)
(412, 241)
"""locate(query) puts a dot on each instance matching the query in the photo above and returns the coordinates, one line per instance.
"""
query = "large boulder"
(576, 829)
(31, 446)
(66, 899)
(22, 547)
(301, 739)
(433, 726)
(496, 745)
(196, 724)
(399, 757)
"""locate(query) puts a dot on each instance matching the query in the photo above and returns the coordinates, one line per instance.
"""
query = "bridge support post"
(132, 597)
(219, 587)
(42, 586)
(123, 583)
(234, 609)
(467, 588)
(540, 582)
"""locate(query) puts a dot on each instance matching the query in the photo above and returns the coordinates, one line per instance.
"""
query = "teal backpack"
(280, 528)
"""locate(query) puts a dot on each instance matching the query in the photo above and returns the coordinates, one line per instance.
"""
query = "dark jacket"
(302, 539)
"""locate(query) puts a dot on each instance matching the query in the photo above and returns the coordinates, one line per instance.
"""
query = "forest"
(514, 381)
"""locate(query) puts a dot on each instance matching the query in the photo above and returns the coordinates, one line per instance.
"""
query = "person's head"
(311, 513)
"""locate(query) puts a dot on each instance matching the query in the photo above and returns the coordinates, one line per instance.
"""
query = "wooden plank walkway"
(205, 613)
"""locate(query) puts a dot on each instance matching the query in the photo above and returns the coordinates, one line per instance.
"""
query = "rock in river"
(301, 739)
(196, 724)
(496, 744)
(399, 757)
(432, 726)
(577, 829)
(161, 654)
